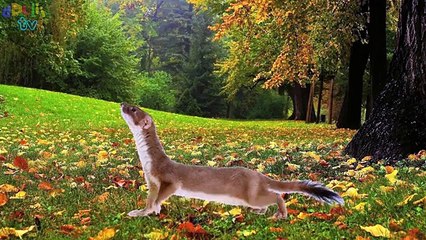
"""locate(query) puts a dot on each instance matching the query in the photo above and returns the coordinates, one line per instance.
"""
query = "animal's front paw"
(280, 215)
(139, 213)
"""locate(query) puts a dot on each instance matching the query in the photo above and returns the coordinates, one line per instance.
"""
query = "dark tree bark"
(350, 114)
(300, 97)
(397, 124)
(377, 42)
(321, 79)
(310, 115)
(330, 101)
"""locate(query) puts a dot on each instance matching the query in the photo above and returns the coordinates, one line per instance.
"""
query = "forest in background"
(235, 59)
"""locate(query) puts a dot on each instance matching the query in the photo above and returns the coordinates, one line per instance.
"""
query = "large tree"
(397, 124)
(279, 43)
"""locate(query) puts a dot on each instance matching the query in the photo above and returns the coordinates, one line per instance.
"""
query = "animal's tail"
(312, 189)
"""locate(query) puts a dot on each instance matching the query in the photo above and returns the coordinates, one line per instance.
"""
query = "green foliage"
(102, 50)
(258, 104)
(155, 91)
(198, 87)
(81, 50)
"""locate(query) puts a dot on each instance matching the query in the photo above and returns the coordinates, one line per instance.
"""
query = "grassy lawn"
(83, 176)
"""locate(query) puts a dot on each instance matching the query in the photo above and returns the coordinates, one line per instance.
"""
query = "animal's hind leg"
(282, 210)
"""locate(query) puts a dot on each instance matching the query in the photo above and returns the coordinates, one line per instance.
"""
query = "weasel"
(233, 185)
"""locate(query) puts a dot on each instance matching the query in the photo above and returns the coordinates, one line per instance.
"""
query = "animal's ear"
(146, 122)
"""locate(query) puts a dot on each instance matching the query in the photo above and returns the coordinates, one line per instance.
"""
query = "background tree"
(107, 71)
(199, 89)
(396, 125)
(277, 43)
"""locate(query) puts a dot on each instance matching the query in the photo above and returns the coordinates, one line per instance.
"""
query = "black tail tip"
(322, 193)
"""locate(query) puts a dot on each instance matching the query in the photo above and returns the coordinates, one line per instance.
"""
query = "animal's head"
(136, 119)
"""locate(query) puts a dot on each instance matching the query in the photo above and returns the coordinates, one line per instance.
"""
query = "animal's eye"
(133, 109)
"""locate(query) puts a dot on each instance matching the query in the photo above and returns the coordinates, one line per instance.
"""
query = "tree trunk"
(397, 124)
(350, 114)
(309, 116)
(330, 101)
(377, 42)
(300, 98)
(321, 79)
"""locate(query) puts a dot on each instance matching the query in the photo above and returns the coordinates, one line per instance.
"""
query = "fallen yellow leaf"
(392, 176)
(19, 195)
(313, 155)
(246, 233)
(420, 201)
(350, 173)
(377, 231)
(211, 163)
(360, 207)
(351, 161)
(156, 235)
(56, 192)
(406, 200)
(235, 211)
(105, 234)
(351, 192)
(303, 215)
(102, 155)
(10, 166)
(7, 232)
(386, 189)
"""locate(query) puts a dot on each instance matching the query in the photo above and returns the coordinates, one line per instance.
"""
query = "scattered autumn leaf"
(420, 201)
(377, 231)
(275, 229)
(21, 163)
(3, 199)
(45, 186)
(246, 233)
(392, 176)
(103, 197)
(19, 195)
(67, 229)
(7, 188)
(406, 200)
(360, 207)
(7, 232)
(191, 228)
(156, 235)
(104, 234)
(389, 169)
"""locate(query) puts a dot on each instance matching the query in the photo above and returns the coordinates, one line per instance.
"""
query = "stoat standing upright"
(233, 185)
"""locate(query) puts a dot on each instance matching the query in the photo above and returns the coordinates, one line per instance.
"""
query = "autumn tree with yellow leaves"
(283, 44)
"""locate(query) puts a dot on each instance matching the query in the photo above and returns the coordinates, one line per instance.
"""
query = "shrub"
(156, 91)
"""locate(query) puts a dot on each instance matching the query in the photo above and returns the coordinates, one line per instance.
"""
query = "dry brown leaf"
(45, 186)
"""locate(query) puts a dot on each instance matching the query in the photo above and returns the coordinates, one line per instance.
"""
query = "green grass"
(63, 137)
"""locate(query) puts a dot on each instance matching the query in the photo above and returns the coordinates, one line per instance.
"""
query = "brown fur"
(166, 177)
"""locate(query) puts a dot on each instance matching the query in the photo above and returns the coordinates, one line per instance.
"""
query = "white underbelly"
(221, 198)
